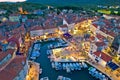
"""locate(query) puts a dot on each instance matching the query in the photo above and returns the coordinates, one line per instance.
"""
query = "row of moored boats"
(59, 78)
(97, 74)
(60, 43)
(35, 51)
(71, 66)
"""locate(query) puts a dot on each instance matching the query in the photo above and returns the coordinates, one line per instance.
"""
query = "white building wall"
(52, 30)
(91, 56)
(64, 30)
(93, 47)
(65, 22)
(36, 33)
(102, 33)
(102, 63)
(71, 26)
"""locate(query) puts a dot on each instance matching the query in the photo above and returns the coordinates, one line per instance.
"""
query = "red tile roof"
(107, 22)
(104, 56)
(108, 32)
(99, 36)
(11, 23)
(12, 69)
(104, 30)
(36, 28)
(111, 33)
(100, 44)
(4, 54)
(95, 25)
(64, 26)
(49, 27)
(17, 36)
(21, 30)
(2, 37)
(92, 38)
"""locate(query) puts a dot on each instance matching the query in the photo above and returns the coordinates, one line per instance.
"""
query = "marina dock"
(34, 71)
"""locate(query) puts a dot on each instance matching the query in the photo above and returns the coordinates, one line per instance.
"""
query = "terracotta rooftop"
(104, 30)
(99, 36)
(95, 25)
(11, 23)
(92, 38)
(16, 36)
(36, 28)
(111, 33)
(4, 54)
(64, 26)
(13, 68)
(49, 27)
(21, 29)
(100, 44)
(103, 56)
(2, 37)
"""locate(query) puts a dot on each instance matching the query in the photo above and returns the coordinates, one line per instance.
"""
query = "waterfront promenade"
(33, 73)
(111, 74)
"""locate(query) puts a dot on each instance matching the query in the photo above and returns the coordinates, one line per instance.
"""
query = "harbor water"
(48, 71)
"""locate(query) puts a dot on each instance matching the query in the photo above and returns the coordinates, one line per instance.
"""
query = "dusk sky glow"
(12, 0)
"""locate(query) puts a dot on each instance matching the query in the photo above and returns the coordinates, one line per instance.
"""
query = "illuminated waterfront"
(48, 71)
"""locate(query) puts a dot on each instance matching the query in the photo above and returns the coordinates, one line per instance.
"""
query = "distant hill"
(76, 2)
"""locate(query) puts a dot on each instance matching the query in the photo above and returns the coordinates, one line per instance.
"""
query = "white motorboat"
(92, 71)
(49, 52)
(53, 65)
(56, 65)
(40, 71)
(75, 67)
(81, 65)
(37, 53)
(78, 66)
(68, 70)
(100, 76)
(67, 65)
(60, 65)
(64, 66)
(96, 74)
(84, 65)
(71, 67)
(36, 46)
(50, 46)
(33, 58)
(63, 78)
(44, 78)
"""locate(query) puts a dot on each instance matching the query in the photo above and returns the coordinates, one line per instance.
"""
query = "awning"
(112, 65)
(67, 36)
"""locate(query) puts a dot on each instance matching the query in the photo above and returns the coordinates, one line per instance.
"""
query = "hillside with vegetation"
(76, 2)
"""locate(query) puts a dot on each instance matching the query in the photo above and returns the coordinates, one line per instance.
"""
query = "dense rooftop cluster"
(17, 27)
